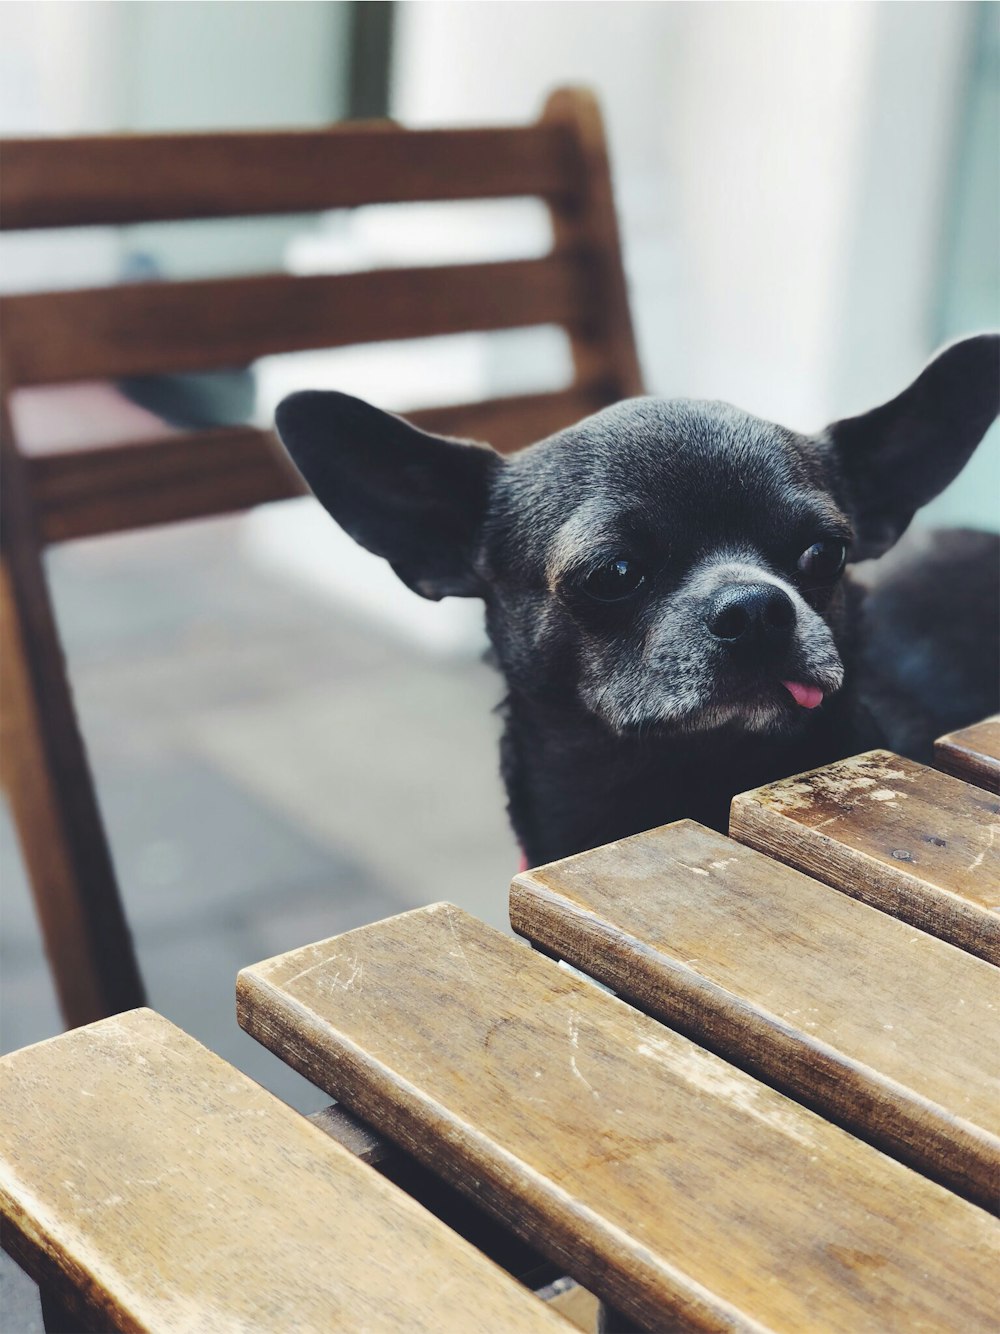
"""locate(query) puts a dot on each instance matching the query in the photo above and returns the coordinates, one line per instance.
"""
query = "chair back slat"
(150, 328)
(163, 177)
(142, 483)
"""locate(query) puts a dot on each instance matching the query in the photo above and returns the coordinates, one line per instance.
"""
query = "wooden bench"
(916, 843)
(147, 1185)
(673, 1185)
(785, 1120)
(972, 754)
(856, 1014)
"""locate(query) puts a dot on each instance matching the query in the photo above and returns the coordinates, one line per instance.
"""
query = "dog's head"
(666, 565)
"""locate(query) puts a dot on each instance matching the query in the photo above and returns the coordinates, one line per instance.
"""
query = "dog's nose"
(751, 612)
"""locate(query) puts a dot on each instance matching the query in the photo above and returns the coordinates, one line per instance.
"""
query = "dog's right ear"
(897, 457)
(417, 499)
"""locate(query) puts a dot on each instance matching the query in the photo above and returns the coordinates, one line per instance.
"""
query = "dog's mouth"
(765, 706)
(778, 698)
(806, 696)
(789, 694)
(761, 706)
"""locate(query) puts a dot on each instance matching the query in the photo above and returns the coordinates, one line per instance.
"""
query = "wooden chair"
(663, 1178)
(147, 329)
(235, 1214)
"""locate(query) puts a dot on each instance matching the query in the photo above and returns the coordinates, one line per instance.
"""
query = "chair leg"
(48, 781)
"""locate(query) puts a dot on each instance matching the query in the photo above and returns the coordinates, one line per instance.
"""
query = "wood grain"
(586, 223)
(192, 475)
(909, 840)
(153, 1187)
(972, 754)
(882, 1028)
(81, 181)
(151, 328)
(666, 1181)
(47, 779)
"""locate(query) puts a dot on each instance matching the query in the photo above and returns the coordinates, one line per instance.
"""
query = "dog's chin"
(762, 717)
(764, 713)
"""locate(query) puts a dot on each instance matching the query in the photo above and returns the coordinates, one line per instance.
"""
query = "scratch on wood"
(458, 952)
(574, 1037)
(357, 975)
(991, 832)
(711, 1075)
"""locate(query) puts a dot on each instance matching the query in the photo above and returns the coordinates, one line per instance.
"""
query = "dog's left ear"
(417, 499)
(899, 456)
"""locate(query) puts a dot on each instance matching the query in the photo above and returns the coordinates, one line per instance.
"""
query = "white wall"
(781, 169)
(105, 66)
(781, 173)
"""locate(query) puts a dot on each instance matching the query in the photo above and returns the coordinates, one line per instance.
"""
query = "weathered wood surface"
(663, 1179)
(460, 1213)
(92, 179)
(151, 328)
(972, 754)
(882, 1028)
(914, 842)
(144, 482)
(153, 1187)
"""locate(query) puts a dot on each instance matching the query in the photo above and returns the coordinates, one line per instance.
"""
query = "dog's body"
(571, 786)
(665, 590)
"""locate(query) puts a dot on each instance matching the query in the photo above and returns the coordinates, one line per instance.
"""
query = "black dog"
(666, 591)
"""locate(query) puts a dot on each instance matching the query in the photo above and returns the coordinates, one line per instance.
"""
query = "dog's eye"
(615, 580)
(823, 561)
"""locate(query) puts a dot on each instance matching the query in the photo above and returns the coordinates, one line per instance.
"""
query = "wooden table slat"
(972, 754)
(916, 843)
(877, 1025)
(153, 1187)
(671, 1184)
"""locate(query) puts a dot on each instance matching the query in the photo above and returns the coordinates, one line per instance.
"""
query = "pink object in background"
(80, 416)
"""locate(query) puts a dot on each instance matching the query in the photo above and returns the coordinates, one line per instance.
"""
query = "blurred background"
(286, 743)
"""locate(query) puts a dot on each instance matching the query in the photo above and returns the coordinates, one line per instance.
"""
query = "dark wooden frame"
(61, 336)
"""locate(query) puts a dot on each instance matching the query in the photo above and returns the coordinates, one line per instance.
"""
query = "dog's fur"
(625, 714)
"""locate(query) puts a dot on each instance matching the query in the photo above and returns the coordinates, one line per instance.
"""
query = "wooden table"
(785, 1118)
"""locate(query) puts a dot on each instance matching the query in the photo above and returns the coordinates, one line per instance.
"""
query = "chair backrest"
(152, 328)
(162, 327)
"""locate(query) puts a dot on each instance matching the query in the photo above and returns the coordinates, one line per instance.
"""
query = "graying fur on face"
(703, 496)
(673, 683)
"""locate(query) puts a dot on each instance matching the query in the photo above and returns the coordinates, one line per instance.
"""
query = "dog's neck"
(572, 784)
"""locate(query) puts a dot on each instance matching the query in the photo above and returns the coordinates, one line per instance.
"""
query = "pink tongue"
(808, 696)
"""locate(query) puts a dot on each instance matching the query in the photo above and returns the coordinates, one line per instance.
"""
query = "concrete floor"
(271, 772)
